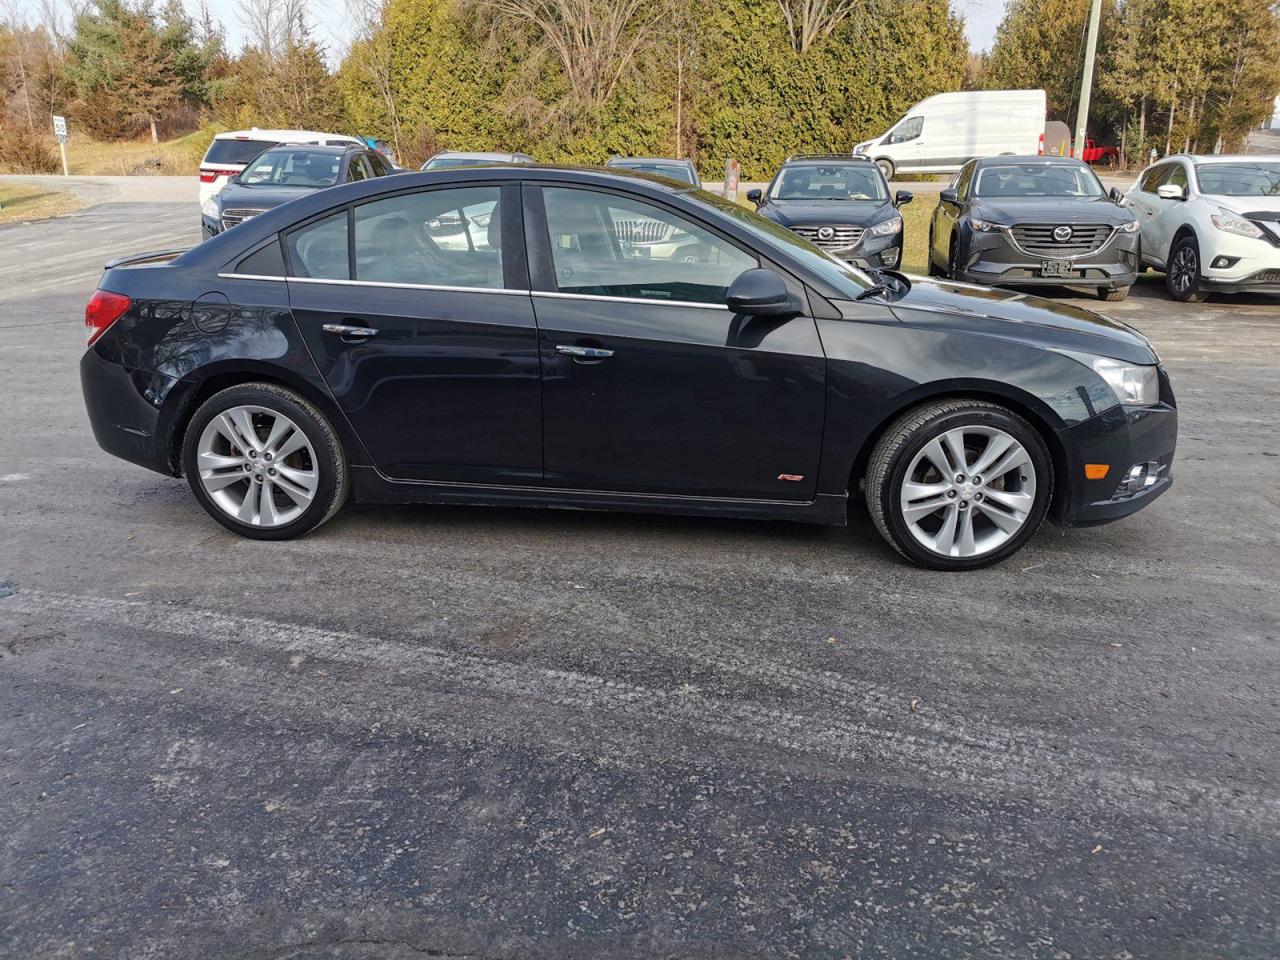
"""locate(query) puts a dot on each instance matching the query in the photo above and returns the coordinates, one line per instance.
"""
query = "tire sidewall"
(310, 425)
(1016, 427)
(1194, 289)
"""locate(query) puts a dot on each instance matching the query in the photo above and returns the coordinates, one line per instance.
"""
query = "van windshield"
(1037, 180)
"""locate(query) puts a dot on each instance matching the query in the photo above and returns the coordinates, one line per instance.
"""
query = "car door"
(430, 348)
(1144, 202)
(1159, 228)
(947, 214)
(650, 383)
(907, 144)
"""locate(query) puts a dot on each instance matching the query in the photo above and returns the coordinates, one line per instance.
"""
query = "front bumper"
(209, 227)
(994, 259)
(871, 251)
(1123, 438)
(1244, 264)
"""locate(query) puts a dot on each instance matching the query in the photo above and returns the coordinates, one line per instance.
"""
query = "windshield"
(292, 168)
(1251, 179)
(846, 181)
(843, 276)
(673, 171)
(235, 151)
(1037, 180)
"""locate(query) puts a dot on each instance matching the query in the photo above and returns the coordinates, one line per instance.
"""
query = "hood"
(234, 196)
(1011, 210)
(1245, 204)
(1021, 316)
(858, 213)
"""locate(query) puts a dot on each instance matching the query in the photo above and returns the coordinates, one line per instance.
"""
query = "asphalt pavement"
(493, 733)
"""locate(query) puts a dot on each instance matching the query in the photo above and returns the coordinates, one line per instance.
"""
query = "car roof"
(257, 134)
(1223, 157)
(1030, 161)
(471, 155)
(336, 150)
(617, 161)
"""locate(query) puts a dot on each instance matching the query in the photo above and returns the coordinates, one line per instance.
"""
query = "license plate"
(1058, 268)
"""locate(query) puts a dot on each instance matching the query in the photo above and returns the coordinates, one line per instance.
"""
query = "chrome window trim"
(644, 300)
(379, 283)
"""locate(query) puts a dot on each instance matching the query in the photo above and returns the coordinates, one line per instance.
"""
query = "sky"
(981, 18)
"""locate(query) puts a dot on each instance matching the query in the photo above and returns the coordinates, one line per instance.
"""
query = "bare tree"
(371, 53)
(271, 26)
(596, 41)
(810, 20)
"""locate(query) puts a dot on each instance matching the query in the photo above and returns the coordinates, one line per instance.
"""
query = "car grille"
(1037, 238)
(232, 217)
(641, 231)
(1265, 276)
(842, 235)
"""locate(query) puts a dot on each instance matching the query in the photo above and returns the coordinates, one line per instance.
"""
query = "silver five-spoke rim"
(258, 466)
(968, 491)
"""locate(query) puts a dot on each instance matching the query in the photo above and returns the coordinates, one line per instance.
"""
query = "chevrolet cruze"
(334, 348)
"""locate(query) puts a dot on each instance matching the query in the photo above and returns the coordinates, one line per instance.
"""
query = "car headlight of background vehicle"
(1134, 384)
(1234, 223)
(209, 207)
(1131, 227)
(888, 228)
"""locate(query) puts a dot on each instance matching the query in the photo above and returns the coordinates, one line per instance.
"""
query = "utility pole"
(1086, 82)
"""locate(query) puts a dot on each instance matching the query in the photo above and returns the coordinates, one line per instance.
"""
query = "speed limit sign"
(60, 128)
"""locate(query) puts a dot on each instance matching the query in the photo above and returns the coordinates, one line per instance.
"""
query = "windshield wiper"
(877, 289)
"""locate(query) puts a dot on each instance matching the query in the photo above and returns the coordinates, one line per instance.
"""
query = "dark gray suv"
(841, 203)
(1034, 221)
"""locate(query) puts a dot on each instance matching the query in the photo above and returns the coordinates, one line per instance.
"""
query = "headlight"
(1131, 227)
(1233, 223)
(1134, 384)
(209, 207)
(888, 228)
(983, 225)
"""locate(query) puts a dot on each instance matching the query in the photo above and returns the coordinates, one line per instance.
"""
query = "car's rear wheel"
(1182, 279)
(1112, 294)
(959, 484)
(264, 462)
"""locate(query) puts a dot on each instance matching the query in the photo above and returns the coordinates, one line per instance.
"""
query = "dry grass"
(915, 223)
(19, 202)
(130, 157)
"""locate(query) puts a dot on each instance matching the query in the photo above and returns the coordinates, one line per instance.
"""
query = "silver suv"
(1211, 223)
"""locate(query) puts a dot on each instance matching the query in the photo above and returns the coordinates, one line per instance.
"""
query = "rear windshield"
(673, 171)
(235, 151)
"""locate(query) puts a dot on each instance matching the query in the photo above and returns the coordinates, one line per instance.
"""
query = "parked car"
(285, 173)
(682, 170)
(229, 152)
(1034, 221)
(329, 347)
(455, 158)
(940, 133)
(1211, 223)
(840, 203)
(1095, 152)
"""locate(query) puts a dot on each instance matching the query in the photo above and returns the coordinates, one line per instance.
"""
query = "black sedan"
(337, 347)
(840, 203)
(1034, 221)
(284, 173)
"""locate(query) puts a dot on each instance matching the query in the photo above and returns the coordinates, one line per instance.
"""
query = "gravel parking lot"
(500, 733)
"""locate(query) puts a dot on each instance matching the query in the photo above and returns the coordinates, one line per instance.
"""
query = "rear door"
(417, 311)
(650, 383)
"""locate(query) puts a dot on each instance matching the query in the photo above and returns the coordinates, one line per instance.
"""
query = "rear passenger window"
(449, 238)
(319, 250)
(265, 262)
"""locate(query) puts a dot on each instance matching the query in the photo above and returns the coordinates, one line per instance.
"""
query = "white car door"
(1142, 200)
(1159, 228)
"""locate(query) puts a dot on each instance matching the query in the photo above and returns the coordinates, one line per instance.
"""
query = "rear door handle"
(345, 331)
(583, 353)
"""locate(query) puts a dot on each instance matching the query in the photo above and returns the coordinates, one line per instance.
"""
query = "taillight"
(104, 309)
(1040, 150)
(208, 176)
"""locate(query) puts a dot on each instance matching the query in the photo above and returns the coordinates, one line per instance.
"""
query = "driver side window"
(603, 244)
(909, 130)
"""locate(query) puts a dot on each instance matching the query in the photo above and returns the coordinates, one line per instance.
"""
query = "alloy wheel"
(968, 491)
(1184, 269)
(257, 466)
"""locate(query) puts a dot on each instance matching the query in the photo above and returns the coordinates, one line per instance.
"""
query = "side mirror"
(1171, 191)
(755, 196)
(902, 197)
(1115, 195)
(761, 293)
(949, 196)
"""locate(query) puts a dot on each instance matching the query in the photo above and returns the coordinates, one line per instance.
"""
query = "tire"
(886, 167)
(312, 480)
(1182, 276)
(903, 452)
(1112, 294)
(934, 269)
(953, 268)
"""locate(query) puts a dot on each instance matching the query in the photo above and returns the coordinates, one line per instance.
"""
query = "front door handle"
(348, 332)
(583, 353)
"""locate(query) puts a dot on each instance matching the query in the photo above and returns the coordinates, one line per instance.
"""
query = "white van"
(229, 152)
(942, 133)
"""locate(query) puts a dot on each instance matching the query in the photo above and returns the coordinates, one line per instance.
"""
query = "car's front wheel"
(1182, 279)
(264, 462)
(959, 484)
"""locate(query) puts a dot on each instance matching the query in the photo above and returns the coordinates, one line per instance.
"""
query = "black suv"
(841, 203)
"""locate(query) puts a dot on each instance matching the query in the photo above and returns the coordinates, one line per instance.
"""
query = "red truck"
(1094, 153)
